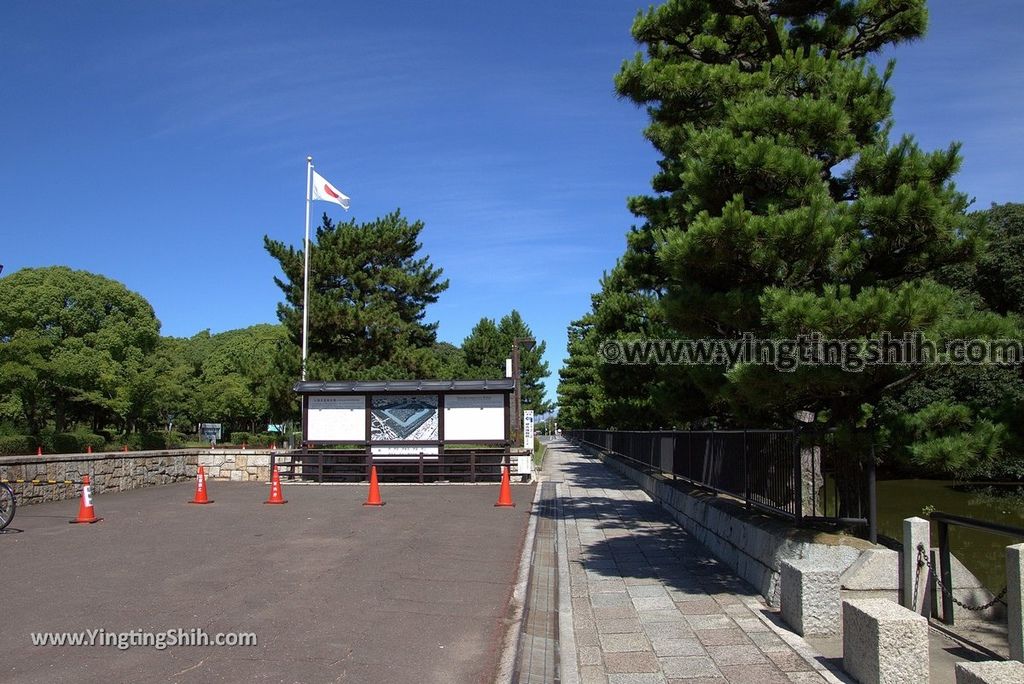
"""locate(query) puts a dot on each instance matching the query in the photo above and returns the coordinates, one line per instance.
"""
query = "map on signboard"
(403, 417)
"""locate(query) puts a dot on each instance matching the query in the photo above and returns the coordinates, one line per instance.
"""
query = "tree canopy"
(489, 344)
(368, 294)
(782, 207)
(73, 347)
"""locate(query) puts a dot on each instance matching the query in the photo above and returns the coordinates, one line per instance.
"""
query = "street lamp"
(518, 343)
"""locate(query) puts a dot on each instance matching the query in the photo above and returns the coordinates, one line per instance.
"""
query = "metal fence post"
(1015, 599)
(746, 472)
(872, 498)
(689, 455)
(798, 476)
(946, 573)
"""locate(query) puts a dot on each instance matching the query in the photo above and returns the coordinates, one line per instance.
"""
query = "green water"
(983, 553)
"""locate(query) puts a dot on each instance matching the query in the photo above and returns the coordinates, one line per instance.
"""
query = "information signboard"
(474, 416)
(333, 418)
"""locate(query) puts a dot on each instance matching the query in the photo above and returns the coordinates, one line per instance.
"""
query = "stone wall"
(115, 471)
(237, 465)
(752, 544)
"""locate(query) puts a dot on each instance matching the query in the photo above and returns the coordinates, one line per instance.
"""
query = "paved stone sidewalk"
(649, 603)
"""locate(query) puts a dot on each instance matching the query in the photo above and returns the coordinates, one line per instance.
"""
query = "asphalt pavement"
(415, 591)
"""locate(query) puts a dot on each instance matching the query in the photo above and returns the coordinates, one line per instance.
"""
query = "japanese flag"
(322, 190)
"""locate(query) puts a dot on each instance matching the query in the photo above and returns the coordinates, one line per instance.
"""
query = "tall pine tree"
(368, 294)
(781, 207)
(489, 344)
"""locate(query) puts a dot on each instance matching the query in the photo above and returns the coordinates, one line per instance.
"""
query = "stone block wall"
(753, 545)
(237, 465)
(115, 471)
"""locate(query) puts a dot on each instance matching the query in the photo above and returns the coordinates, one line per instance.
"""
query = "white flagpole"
(305, 272)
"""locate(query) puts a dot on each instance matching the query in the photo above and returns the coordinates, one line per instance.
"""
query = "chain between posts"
(923, 560)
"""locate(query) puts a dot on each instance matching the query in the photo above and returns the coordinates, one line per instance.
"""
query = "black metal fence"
(945, 579)
(798, 474)
(340, 465)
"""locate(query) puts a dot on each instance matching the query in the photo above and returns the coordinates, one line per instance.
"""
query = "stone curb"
(517, 604)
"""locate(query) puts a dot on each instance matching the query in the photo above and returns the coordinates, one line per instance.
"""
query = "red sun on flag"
(330, 191)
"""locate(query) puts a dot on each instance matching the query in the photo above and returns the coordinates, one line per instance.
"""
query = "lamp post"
(518, 343)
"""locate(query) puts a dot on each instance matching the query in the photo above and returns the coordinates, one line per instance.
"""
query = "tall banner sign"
(528, 430)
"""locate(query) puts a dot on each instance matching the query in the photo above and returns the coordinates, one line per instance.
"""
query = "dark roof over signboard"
(403, 386)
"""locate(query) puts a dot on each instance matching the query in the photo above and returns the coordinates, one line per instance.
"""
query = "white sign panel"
(528, 430)
(336, 419)
(474, 416)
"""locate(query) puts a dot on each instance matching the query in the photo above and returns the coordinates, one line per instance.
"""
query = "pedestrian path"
(649, 604)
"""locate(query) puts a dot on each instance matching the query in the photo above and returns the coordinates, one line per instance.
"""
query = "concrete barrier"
(1008, 672)
(1015, 600)
(876, 574)
(917, 578)
(884, 643)
(810, 598)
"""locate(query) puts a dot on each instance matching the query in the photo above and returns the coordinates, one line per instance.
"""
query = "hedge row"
(53, 443)
(79, 443)
(257, 440)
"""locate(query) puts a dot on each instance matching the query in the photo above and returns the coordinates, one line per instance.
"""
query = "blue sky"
(157, 142)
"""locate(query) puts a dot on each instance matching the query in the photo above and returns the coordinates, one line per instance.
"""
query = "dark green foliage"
(781, 207)
(1000, 267)
(67, 443)
(175, 439)
(369, 290)
(489, 344)
(451, 362)
(17, 445)
(73, 347)
(240, 438)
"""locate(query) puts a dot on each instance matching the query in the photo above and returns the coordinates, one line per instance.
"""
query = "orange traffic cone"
(276, 497)
(88, 448)
(374, 498)
(39, 451)
(505, 495)
(86, 513)
(125, 448)
(200, 497)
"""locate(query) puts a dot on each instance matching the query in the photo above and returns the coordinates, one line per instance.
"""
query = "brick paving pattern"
(537, 660)
(650, 605)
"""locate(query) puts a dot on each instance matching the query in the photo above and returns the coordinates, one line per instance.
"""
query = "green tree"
(580, 391)
(73, 347)
(962, 420)
(781, 206)
(486, 349)
(489, 344)
(1000, 267)
(452, 362)
(532, 367)
(368, 294)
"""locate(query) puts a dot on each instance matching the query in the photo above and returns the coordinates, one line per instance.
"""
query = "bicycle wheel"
(7, 505)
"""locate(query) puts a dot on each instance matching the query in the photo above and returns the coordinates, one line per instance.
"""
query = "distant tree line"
(781, 207)
(82, 361)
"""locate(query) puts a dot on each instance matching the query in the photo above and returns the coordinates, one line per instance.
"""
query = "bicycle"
(7, 504)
